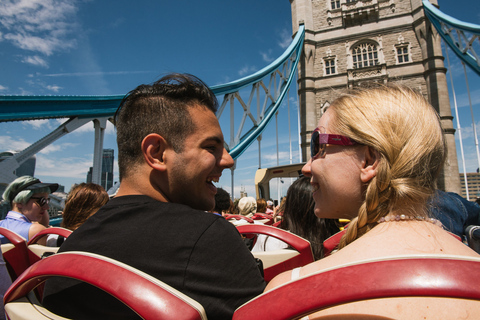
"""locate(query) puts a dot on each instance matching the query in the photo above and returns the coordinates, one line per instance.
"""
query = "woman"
(83, 201)
(29, 202)
(376, 155)
(299, 219)
(261, 205)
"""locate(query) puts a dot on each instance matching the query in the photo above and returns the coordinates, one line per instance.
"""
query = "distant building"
(89, 175)
(243, 193)
(473, 179)
(107, 169)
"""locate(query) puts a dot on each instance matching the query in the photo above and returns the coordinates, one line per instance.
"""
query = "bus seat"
(156, 301)
(414, 275)
(238, 217)
(278, 261)
(15, 253)
(473, 237)
(37, 251)
(263, 218)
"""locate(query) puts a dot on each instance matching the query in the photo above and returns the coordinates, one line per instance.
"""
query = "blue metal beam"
(460, 36)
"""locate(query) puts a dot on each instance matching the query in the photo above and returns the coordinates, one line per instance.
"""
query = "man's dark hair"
(222, 200)
(162, 108)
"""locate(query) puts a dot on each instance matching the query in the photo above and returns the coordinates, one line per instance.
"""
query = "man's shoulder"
(150, 213)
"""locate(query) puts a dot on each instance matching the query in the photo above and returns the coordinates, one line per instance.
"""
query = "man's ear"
(153, 149)
(369, 164)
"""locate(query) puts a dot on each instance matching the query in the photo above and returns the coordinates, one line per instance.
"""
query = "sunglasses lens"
(314, 144)
(43, 201)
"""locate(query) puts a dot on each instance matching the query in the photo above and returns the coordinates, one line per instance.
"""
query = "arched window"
(365, 55)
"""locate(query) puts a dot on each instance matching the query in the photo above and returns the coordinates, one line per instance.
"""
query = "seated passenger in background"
(261, 205)
(299, 219)
(83, 201)
(170, 150)
(269, 207)
(247, 206)
(455, 212)
(29, 201)
(375, 159)
(222, 202)
(5, 282)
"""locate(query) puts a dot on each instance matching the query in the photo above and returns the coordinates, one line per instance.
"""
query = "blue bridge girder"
(462, 37)
(270, 85)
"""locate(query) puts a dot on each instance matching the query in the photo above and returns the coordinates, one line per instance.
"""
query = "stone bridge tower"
(400, 45)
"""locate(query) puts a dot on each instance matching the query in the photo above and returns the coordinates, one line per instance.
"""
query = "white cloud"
(38, 25)
(38, 124)
(247, 70)
(266, 56)
(57, 147)
(54, 88)
(9, 143)
(3, 88)
(93, 74)
(36, 61)
(73, 167)
(285, 39)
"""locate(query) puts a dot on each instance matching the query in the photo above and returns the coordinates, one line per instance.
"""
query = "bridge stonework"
(404, 48)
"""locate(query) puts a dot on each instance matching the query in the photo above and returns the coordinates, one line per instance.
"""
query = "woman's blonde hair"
(405, 130)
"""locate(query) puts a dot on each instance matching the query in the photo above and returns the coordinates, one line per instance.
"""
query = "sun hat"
(26, 183)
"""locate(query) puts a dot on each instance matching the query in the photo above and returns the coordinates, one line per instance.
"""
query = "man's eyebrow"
(214, 138)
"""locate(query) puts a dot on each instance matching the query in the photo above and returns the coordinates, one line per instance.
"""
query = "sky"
(105, 47)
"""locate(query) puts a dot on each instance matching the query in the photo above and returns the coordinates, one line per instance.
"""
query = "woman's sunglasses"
(41, 201)
(320, 139)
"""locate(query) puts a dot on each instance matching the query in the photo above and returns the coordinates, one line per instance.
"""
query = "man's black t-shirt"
(196, 252)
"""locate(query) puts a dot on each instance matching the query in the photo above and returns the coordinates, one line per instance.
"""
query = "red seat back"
(434, 276)
(147, 296)
(238, 217)
(35, 251)
(16, 258)
(299, 244)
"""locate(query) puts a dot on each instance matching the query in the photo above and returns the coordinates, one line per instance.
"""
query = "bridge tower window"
(330, 67)
(365, 55)
(335, 4)
(402, 54)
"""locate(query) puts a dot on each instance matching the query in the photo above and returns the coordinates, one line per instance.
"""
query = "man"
(29, 200)
(171, 149)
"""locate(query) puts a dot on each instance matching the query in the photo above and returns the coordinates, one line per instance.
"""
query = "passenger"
(83, 201)
(5, 282)
(455, 212)
(29, 201)
(247, 206)
(261, 205)
(171, 149)
(279, 209)
(269, 207)
(375, 158)
(234, 207)
(222, 202)
(299, 219)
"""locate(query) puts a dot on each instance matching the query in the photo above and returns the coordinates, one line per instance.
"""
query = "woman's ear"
(153, 149)
(369, 164)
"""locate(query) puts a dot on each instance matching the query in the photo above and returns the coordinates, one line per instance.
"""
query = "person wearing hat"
(29, 201)
(247, 206)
